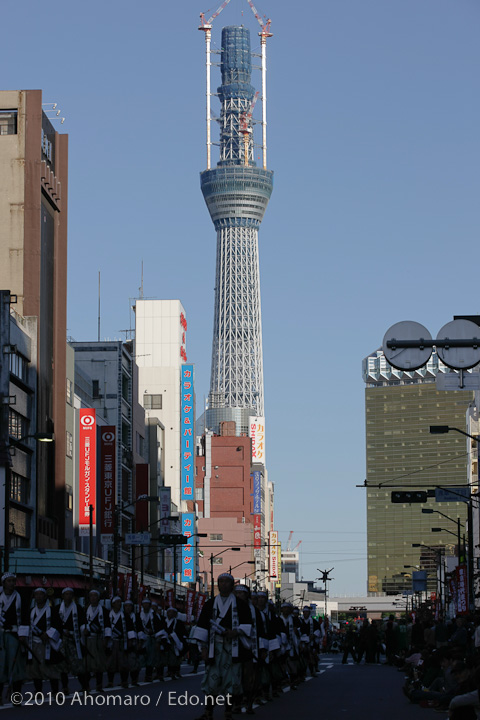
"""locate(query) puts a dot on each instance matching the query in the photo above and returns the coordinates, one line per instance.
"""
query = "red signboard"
(87, 469)
(141, 488)
(257, 531)
(107, 480)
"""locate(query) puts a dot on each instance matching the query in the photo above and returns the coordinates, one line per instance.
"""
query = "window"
(69, 444)
(19, 488)
(216, 537)
(69, 392)
(8, 122)
(152, 402)
(95, 389)
(18, 366)
(17, 425)
(140, 444)
(218, 561)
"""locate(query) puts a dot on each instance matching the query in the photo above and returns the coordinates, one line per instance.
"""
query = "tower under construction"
(236, 192)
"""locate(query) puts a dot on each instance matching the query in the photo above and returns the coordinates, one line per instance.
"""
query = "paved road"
(340, 692)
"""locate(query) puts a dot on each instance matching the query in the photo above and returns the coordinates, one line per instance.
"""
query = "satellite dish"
(403, 358)
(459, 358)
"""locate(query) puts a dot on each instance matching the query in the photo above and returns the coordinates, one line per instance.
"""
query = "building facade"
(401, 454)
(33, 267)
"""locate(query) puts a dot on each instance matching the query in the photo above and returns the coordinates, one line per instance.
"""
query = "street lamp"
(441, 430)
(212, 558)
(245, 562)
(429, 511)
(439, 551)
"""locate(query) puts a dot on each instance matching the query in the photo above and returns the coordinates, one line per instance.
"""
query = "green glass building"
(401, 454)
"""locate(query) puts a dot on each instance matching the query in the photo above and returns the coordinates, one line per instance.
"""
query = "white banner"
(256, 431)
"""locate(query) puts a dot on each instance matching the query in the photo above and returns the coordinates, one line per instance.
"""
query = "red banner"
(141, 488)
(462, 590)
(190, 604)
(107, 480)
(257, 531)
(201, 597)
(87, 469)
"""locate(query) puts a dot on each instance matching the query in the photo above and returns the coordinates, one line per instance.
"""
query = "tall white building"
(160, 349)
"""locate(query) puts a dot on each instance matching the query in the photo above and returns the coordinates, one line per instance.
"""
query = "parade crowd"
(251, 649)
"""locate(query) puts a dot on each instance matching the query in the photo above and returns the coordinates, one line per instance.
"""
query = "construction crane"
(297, 546)
(289, 541)
(246, 128)
(207, 29)
(208, 25)
(264, 25)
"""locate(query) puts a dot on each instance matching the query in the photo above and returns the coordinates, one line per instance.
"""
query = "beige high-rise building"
(33, 267)
(401, 454)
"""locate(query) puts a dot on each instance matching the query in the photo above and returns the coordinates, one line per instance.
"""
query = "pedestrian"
(349, 644)
(219, 626)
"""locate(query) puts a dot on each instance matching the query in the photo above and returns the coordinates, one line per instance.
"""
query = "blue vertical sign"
(188, 550)
(187, 431)
(257, 493)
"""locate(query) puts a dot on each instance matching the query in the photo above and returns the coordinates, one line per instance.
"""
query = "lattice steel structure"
(236, 193)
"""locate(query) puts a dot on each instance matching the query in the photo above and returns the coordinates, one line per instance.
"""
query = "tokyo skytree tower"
(236, 192)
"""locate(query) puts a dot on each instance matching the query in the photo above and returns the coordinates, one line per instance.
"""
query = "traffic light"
(413, 496)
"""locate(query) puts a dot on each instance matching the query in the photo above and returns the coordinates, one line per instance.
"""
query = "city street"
(353, 692)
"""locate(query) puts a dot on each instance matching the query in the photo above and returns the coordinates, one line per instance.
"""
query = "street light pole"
(212, 557)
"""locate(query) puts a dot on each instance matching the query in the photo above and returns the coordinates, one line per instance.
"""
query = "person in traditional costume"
(256, 646)
(149, 627)
(72, 619)
(134, 662)
(123, 639)
(177, 646)
(44, 643)
(310, 636)
(290, 644)
(223, 620)
(14, 628)
(97, 633)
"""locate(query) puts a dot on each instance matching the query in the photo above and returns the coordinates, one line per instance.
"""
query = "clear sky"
(373, 134)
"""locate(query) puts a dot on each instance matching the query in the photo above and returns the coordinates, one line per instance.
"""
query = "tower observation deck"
(236, 193)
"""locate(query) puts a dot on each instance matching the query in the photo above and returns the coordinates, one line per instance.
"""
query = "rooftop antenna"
(98, 306)
(141, 286)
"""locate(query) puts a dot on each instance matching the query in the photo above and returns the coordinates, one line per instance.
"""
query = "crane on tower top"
(208, 24)
(264, 25)
(289, 541)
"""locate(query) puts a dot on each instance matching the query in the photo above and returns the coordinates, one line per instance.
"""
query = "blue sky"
(373, 134)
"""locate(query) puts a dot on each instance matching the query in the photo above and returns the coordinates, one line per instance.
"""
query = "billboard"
(278, 583)
(462, 589)
(274, 557)
(187, 432)
(87, 470)
(257, 531)
(188, 550)
(257, 493)
(107, 482)
(256, 432)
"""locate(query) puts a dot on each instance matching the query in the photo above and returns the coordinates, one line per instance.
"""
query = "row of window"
(17, 425)
(18, 366)
(152, 402)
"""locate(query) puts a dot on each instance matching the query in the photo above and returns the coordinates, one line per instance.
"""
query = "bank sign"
(187, 432)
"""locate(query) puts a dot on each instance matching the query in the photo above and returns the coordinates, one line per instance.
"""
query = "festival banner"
(187, 432)
(87, 470)
(462, 590)
(169, 598)
(190, 605)
(107, 482)
(188, 550)
(201, 597)
(278, 583)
